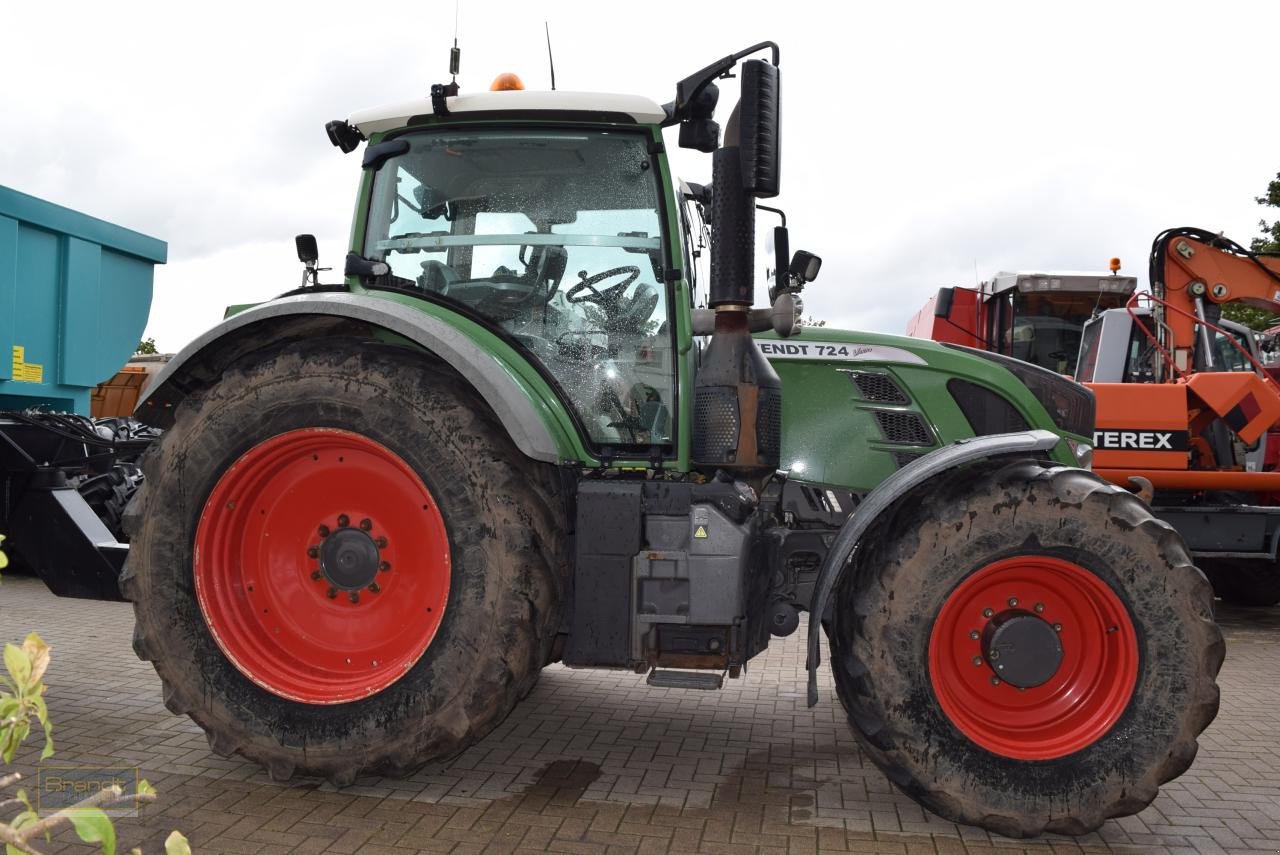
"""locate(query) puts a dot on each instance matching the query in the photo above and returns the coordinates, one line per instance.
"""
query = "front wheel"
(340, 562)
(1025, 648)
(1254, 583)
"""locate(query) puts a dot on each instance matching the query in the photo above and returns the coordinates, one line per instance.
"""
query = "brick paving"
(597, 762)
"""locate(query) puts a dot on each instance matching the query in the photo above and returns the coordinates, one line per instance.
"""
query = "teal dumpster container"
(75, 292)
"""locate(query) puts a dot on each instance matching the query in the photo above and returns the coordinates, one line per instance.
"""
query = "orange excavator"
(1184, 404)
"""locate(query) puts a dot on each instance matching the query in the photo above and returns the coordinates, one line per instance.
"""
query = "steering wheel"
(608, 295)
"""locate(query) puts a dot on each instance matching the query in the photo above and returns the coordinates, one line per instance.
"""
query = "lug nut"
(343, 520)
(1057, 627)
(993, 655)
(332, 593)
(973, 634)
(1039, 608)
(354, 596)
(324, 531)
(381, 542)
(1013, 602)
(995, 681)
(366, 524)
(315, 575)
(384, 566)
(313, 552)
(986, 613)
(373, 588)
(977, 660)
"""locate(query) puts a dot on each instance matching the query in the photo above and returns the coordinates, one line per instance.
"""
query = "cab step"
(708, 680)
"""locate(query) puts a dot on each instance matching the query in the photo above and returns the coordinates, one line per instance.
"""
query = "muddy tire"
(109, 494)
(1242, 582)
(379, 575)
(1107, 675)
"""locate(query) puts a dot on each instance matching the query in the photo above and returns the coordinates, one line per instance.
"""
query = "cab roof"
(391, 116)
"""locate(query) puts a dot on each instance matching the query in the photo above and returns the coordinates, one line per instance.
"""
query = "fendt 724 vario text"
(520, 431)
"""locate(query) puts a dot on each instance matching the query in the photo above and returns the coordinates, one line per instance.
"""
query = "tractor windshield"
(1044, 328)
(555, 237)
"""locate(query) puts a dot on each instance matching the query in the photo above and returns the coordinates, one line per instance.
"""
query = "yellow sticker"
(23, 371)
(700, 532)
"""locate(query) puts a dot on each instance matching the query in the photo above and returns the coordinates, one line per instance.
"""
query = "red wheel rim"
(317, 623)
(1082, 699)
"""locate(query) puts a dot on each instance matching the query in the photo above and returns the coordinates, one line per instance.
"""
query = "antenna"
(550, 59)
(455, 53)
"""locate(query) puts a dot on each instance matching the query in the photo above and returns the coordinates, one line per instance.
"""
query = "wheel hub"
(293, 565)
(1023, 649)
(349, 559)
(1033, 657)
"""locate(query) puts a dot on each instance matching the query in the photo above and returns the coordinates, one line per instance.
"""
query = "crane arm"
(1194, 270)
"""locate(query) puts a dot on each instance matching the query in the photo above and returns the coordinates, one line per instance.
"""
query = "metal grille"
(769, 426)
(902, 458)
(905, 428)
(986, 411)
(715, 425)
(879, 388)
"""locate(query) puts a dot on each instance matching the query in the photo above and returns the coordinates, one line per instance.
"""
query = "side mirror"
(699, 131)
(308, 253)
(805, 266)
(942, 305)
(781, 272)
(759, 128)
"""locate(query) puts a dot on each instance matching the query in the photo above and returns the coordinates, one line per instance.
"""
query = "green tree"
(1260, 319)
(147, 345)
(1270, 240)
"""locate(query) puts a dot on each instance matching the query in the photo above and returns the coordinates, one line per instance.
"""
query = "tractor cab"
(553, 235)
(1033, 316)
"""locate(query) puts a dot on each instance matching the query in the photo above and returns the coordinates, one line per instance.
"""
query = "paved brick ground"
(595, 762)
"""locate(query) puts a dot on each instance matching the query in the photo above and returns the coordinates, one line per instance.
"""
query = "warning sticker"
(23, 371)
(700, 532)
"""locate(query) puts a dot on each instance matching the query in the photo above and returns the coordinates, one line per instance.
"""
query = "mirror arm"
(688, 89)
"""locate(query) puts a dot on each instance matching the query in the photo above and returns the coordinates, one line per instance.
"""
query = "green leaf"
(145, 788)
(9, 850)
(13, 737)
(93, 826)
(176, 844)
(18, 665)
(8, 706)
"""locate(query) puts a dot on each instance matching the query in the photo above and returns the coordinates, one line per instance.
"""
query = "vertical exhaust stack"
(737, 418)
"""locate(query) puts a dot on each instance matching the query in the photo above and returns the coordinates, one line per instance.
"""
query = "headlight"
(1070, 405)
(1083, 452)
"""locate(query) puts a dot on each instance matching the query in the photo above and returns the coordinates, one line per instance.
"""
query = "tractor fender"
(493, 379)
(883, 497)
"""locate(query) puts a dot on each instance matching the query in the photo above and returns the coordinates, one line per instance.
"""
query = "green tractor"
(522, 431)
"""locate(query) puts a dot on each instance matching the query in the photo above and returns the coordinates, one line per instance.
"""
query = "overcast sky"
(924, 144)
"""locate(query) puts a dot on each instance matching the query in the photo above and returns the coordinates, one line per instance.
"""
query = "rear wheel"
(1244, 582)
(1025, 648)
(340, 563)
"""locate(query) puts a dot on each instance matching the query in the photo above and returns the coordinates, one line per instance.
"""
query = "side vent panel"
(878, 388)
(904, 428)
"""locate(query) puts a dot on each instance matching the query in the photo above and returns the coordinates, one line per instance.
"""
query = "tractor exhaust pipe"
(737, 394)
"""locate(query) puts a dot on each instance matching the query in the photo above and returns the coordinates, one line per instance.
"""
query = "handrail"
(1136, 301)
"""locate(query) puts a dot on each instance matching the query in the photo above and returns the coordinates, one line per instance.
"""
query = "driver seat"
(437, 276)
(546, 266)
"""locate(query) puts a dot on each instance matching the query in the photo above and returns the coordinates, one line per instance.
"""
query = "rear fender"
(528, 415)
(882, 499)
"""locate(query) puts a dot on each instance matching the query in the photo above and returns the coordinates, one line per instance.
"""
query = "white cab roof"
(1061, 280)
(391, 116)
